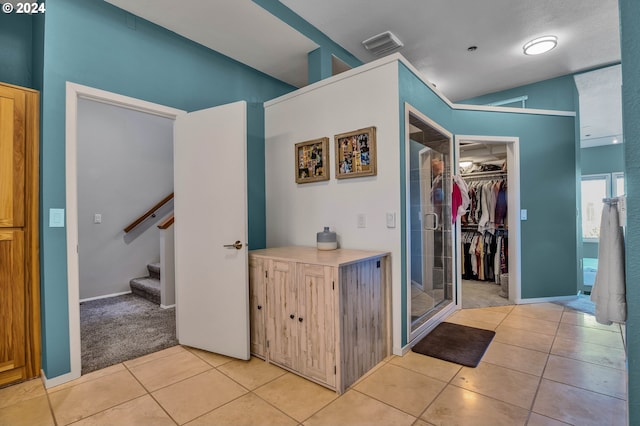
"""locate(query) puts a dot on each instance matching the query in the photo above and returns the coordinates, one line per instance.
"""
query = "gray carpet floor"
(121, 328)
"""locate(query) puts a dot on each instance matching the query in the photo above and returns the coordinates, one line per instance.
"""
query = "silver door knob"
(237, 245)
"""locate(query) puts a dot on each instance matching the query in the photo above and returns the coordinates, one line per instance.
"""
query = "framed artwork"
(356, 153)
(312, 160)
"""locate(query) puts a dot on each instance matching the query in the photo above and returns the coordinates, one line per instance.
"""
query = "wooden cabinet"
(327, 312)
(19, 271)
(257, 308)
(316, 320)
(282, 307)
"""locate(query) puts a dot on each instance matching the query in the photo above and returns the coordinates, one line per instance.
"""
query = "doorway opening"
(489, 232)
(77, 94)
(125, 165)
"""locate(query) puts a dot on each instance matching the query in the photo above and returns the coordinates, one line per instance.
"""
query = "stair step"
(146, 287)
(154, 270)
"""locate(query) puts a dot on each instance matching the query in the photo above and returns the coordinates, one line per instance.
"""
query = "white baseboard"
(58, 380)
(105, 296)
(168, 306)
(545, 300)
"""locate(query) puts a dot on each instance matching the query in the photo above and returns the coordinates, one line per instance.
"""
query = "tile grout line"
(151, 396)
(53, 414)
(249, 391)
(103, 410)
(385, 403)
(535, 396)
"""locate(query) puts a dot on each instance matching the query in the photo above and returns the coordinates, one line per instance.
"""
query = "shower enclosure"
(430, 237)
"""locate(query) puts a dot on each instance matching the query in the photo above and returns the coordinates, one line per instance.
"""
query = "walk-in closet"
(484, 228)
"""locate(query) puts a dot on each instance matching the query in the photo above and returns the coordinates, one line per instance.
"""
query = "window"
(594, 189)
(618, 184)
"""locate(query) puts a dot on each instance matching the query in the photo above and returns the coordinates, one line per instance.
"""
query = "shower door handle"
(435, 221)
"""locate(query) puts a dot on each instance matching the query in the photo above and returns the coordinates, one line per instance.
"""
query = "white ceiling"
(435, 33)
(600, 106)
(239, 29)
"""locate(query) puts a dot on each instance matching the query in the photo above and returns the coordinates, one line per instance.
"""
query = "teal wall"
(556, 93)
(328, 47)
(93, 43)
(630, 44)
(37, 53)
(600, 159)
(547, 184)
(16, 49)
(320, 65)
(560, 94)
(547, 191)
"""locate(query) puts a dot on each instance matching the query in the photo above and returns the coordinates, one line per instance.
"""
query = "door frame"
(513, 210)
(74, 92)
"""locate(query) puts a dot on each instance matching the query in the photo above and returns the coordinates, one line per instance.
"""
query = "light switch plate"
(391, 220)
(362, 220)
(523, 214)
(56, 218)
(97, 218)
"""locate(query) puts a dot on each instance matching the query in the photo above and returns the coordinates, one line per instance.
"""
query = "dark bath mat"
(455, 343)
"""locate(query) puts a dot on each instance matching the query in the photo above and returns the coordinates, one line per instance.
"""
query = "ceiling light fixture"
(615, 140)
(540, 45)
(382, 43)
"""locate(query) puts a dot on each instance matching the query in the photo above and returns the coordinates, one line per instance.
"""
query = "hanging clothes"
(460, 198)
(609, 289)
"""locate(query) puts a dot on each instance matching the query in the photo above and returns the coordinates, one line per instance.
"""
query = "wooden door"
(12, 305)
(12, 157)
(282, 313)
(19, 262)
(210, 183)
(316, 321)
(257, 307)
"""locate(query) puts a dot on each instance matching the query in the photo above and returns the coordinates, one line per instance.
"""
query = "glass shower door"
(430, 240)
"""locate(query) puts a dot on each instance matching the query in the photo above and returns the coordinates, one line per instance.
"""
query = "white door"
(212, 291)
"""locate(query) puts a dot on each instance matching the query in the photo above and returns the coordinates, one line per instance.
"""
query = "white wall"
(125, 166)
(296, 212)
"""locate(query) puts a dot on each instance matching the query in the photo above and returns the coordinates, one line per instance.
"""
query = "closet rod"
(483, 174)
(474, 227)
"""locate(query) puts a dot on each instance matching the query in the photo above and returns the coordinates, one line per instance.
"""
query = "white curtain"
(609, 289)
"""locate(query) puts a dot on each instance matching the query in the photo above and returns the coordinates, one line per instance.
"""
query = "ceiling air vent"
(382, 43)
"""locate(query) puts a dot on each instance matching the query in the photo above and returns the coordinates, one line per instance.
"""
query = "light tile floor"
(547, 365)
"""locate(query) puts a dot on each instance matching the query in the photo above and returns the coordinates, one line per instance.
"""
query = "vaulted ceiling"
(436, 36)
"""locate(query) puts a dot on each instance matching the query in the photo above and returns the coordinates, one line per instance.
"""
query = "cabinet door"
(12, 306)
(282, 313)
(257, 283)
(316, 320)
(12, 157)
